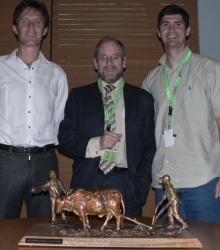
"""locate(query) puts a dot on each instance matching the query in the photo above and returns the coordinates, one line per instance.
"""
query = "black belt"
(30, 150)
(114, 169)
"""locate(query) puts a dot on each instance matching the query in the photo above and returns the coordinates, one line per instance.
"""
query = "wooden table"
(11, 232)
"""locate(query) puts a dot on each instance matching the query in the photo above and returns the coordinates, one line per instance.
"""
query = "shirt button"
(29, 126)
(29, 96)
(29, 111)
(29, 141)
(29, 81)
(97, 152)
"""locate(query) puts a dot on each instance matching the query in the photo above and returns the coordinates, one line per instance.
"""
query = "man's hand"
(109, 139)
(217, 189)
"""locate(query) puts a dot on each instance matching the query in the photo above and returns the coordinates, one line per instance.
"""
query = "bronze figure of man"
(55, 188)
(173, 203)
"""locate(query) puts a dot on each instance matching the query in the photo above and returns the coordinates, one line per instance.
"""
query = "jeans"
(19, 172)
(197, 203)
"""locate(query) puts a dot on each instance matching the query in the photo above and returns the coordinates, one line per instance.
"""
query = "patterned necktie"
(104, 165)
(109, 106)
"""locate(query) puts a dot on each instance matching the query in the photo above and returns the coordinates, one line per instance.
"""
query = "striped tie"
(109, 105)
(104, 165)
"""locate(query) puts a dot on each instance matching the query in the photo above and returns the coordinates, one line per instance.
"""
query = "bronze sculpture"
(55, 188)
(100, 202)
(105, 203)
(172, 205)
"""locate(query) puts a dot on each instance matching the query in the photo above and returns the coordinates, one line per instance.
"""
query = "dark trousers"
(121, 181)
(19, 172)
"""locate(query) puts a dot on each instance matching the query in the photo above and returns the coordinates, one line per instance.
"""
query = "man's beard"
(112, 79)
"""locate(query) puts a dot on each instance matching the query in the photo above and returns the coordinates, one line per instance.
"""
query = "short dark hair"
(33, 4)
(173, 9)
(108, 39)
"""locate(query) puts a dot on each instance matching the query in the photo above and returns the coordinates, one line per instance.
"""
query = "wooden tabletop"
(12, 231)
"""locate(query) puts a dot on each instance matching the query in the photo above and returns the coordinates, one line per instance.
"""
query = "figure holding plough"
(172, 205)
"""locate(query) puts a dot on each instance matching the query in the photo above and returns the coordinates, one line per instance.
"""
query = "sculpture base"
(130, 236)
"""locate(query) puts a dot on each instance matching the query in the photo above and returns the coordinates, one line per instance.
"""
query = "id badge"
(169, 138)
(110, 155)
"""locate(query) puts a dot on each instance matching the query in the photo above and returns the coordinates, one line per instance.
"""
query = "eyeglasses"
(113, 58)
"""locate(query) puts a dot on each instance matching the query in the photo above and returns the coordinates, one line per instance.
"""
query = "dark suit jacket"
(84, 119)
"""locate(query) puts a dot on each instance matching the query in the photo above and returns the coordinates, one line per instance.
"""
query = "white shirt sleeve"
(93, 148)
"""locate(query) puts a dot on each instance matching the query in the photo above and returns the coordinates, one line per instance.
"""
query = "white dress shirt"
(32, 101)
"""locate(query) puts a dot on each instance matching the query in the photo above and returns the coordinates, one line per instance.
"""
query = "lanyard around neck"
(176, 85)
(107, 115)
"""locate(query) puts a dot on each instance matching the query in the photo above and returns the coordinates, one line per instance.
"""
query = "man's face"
(173, 32)
(110, 70)
(30, 28)
(165, 181)
(53, 176)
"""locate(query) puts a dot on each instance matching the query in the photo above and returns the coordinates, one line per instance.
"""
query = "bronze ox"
(99, 202)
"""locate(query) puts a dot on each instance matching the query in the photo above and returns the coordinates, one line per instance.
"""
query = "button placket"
(30, 106)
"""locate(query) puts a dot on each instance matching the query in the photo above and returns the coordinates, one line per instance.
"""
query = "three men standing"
(110, 130)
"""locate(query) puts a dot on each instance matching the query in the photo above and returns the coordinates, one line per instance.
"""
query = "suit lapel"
(129, 96)
(96, 98)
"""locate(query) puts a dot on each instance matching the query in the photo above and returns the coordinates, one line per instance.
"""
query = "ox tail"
(123, 210)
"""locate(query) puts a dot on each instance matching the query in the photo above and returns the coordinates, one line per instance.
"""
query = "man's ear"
(95, 63)
(45, 31)
(15, 29)
(188, 31)
(124, 62)
(158, 33)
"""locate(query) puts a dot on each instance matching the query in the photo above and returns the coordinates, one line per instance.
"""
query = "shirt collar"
(116, 84)
(178, 61)
(13, 55)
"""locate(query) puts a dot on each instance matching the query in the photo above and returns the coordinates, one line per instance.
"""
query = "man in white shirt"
(33, 93)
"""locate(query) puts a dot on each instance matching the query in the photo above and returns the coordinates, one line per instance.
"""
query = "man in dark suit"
(110, 135)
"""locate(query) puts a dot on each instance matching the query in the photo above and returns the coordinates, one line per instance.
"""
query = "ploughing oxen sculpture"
(100, 202)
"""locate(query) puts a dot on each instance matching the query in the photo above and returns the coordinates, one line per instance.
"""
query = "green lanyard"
(176, 85)
(107, 115)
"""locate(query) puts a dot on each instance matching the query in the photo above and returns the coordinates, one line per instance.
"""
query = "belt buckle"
(28, 150)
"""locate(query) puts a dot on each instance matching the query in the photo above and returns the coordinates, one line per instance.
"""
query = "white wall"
(209, 28)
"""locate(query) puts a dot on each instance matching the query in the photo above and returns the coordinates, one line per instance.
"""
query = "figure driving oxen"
(99, 202)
